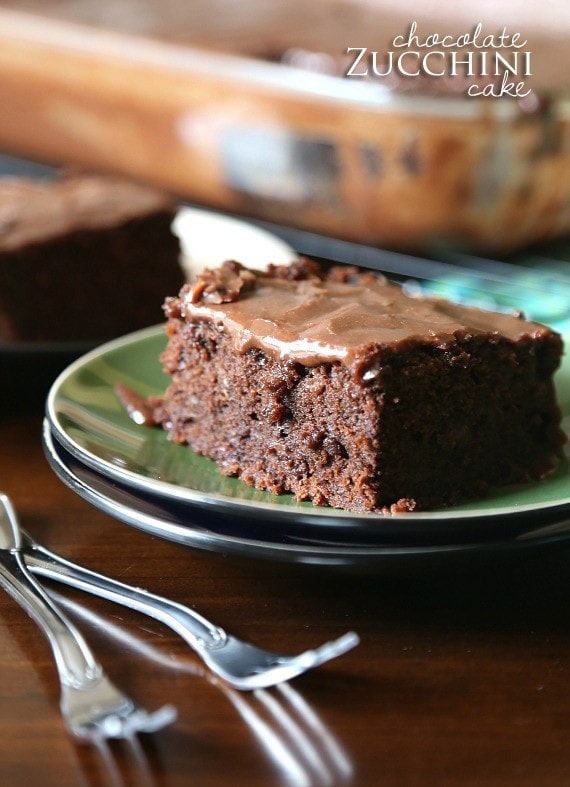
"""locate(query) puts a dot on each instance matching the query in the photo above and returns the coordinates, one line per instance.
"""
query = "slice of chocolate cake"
(345, 391)
(84, 257)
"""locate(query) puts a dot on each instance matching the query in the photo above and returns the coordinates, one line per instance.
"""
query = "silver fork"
(92, 707)
(241, 664)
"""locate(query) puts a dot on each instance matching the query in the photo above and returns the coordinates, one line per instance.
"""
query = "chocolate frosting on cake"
(317, 320)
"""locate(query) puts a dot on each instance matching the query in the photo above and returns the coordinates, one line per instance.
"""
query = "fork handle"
(196, 630)
(75, 663)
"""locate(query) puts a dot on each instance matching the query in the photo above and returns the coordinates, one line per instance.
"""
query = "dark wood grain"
(461, 677)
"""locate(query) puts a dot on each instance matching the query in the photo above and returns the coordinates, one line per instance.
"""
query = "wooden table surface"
(461, 677)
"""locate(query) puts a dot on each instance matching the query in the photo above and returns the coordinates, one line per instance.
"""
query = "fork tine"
(135, 722)
(329, 650)
(247, 667)
(143, 721)
(100, 710)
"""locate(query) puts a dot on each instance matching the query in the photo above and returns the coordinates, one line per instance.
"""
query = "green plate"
(88, 420)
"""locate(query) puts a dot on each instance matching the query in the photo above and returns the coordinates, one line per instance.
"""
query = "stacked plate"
(134, 473)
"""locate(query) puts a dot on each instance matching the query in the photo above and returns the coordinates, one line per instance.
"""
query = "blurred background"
(245, 108)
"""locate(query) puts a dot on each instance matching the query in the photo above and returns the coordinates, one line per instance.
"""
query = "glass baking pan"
(345, 158)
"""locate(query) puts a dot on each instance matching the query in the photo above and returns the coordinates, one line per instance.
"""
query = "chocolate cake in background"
(344, 390)
(83, 257)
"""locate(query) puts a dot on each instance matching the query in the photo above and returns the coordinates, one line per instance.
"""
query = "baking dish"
(342, 157)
